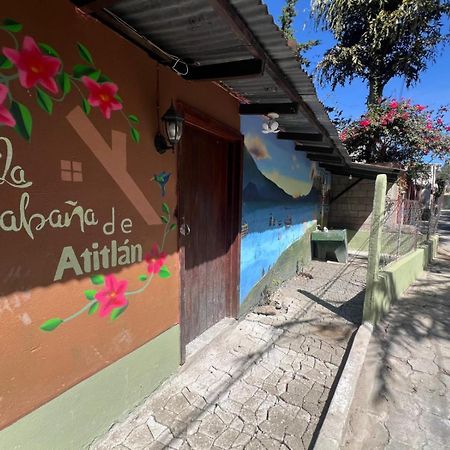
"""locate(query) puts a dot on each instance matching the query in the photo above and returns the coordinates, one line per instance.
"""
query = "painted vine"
(38, 66)
(112, 297)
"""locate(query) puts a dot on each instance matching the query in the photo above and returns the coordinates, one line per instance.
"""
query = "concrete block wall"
(353, 209)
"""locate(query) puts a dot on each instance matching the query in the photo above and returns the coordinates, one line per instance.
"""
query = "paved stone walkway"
(403, 396)
(263, 384)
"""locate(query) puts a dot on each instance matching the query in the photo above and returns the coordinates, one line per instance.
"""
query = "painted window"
(71, 171)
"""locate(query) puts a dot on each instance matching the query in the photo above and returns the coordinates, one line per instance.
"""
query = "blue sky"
(432, 90)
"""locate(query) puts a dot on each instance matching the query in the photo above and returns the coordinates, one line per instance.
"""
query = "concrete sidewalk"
(264, 383)
(403, 395)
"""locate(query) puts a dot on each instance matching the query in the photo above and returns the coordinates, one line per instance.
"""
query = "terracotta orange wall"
(36, 366)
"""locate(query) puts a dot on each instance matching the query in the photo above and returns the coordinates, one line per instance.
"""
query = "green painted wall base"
(298, 255)
(398, 276)
(358, 240)
(76, 417)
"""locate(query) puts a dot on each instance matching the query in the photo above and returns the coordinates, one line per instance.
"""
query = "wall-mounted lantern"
(173, 127)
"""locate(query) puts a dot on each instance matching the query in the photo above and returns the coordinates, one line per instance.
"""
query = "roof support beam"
(309, 137)
(313, 149)
(325, 158)
(235, 69)
(90, 6)
(241, 30)
(266, 108)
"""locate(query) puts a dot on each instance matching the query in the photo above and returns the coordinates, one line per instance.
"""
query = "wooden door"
(209, 208)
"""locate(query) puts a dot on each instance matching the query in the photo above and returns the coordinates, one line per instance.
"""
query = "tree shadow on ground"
(422, 314)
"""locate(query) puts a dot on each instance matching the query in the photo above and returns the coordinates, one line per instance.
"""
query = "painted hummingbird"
(162, 178)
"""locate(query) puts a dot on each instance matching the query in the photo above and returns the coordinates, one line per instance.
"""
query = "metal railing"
(402, 229)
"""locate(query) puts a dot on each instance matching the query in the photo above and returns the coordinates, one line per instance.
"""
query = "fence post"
(375, 238)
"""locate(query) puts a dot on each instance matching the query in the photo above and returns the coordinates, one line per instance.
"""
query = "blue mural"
(281, 200)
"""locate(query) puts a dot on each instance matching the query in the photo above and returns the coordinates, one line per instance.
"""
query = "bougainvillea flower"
(155, 259)
(34, 66)
(112, 295)
(364, 123)
(6, 117)
(420, 107)
(393, 104)
(429, 125)
(102, 95)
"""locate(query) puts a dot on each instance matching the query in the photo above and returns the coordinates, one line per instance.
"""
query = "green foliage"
(287, 21)
(11, 26)
(116, 312)
(164, 272)
(97, 279)
(94, 308)
(84, 53)
(24, 122)
(90, 294)
(380, 39)
(51, 324)
(44, 101)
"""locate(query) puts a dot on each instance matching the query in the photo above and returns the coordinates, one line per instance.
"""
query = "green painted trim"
(396, 278)
(297, 255)
(76, 417)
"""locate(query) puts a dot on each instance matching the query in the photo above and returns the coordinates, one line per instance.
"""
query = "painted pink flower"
(102, 95)
(393, 104)
(6, 117)
(364, 123)
(420, 107)
(34, 66)
(440, 121)
(112, 295)
(429, 125)
(155, 259)
(447, 128)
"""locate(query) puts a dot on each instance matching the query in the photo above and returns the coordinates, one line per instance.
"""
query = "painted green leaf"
(86, 106)
(173, 226)
(116, 312)
(80, 70)
(85, 53)
(64, 82)
(164, 272)
(5, 63)
(44, 100)
(164, 219)
(142, 277)
(95, 75)
(90, 294)
(98, 279)
(94, 308)
(165, 208)
(51, 324)
(24, 122)
(11, 25)
(102, 78)
(118, 97)
(135, 135)
(48, 50)
(133, 118)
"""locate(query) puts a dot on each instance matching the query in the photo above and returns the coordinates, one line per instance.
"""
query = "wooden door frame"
(197, 119)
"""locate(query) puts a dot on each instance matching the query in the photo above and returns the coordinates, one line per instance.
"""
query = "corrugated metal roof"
(195, 32)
